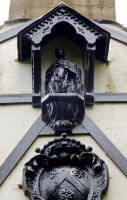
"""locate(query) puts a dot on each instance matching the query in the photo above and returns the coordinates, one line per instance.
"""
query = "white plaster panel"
(111, 118)
(117, 186)
(15, 77)
(112, 76)
(116, 68)
(15, 121)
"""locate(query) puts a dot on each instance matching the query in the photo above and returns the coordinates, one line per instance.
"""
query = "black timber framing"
(77, 130)
(14, 31)
(98, 98)
(21, 148)
(16, 99)
(7, 35)
(105, 144)
(35, 131)
(110, 97)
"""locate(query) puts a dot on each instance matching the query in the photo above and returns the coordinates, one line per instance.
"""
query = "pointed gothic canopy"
(66, 21)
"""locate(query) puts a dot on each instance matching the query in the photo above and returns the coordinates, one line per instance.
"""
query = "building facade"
(22, 130)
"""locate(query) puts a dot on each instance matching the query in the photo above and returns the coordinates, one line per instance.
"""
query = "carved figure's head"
(59, 52)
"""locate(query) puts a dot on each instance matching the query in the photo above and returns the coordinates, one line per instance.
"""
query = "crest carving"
(65, 170)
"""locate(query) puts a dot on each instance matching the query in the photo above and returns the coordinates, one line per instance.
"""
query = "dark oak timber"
(105, 144)
(89, 76)
(36, 75)
(20, 149)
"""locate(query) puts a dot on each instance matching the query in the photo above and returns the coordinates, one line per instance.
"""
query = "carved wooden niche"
(62, 20)
(65, 170)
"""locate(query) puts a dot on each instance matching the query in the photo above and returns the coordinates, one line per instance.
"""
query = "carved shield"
(65, 170)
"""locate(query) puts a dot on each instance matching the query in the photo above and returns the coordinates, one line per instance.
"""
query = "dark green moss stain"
(109, 80)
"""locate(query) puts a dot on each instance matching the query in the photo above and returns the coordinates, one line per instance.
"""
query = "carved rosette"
(65, 169)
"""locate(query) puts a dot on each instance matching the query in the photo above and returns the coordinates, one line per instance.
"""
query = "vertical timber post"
(36, 76)
(89, 75)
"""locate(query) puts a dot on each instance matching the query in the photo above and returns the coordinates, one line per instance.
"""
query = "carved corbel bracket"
(62, 109)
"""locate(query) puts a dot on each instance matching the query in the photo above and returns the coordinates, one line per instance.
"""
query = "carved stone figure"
(64, 102)
(65, 170)
(63, 76)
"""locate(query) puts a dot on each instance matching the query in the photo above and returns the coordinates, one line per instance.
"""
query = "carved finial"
(38, 150)
(64, 135)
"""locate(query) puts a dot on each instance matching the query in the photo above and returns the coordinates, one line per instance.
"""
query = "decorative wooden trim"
(105, 144)
(20, 149)
(7, 35)
(71, 20)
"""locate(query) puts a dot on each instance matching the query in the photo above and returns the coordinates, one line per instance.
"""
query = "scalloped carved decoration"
(43, 28)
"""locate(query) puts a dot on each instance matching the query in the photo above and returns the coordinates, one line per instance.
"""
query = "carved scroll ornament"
(65, 170)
